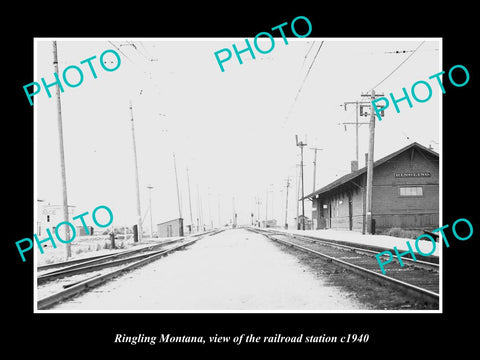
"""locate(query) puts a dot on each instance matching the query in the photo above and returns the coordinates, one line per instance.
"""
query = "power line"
(304, 80)
(308, 72)
(141, 43)
(138, 50)
(306, 55)
(398, 51)
(116, 47)
(408, 57)
(146, 72)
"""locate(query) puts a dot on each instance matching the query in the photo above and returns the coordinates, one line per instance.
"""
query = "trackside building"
(405, 194)
(170, 228)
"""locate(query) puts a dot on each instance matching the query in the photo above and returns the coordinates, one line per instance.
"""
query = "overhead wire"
(144, 67)
(308, 72)
(116, 47)
(140, 67)
(138, 50)
(146, 51)
(398, 66)
(304, 80)
(306, 55)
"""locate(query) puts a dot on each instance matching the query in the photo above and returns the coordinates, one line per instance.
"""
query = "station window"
(411, 191)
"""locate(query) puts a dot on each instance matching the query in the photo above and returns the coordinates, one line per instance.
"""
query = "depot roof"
(355, 174)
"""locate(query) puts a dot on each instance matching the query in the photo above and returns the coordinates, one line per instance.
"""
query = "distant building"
(269, 223)
(82, 232)
(48, 216)
(170, 228)
(308, 222)
(405, 194)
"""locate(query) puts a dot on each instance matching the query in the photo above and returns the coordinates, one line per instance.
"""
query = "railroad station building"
(405, 194)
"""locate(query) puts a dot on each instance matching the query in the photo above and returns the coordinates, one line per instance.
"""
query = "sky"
(234, 130)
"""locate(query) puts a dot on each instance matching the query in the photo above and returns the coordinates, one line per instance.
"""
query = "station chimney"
(354, 165)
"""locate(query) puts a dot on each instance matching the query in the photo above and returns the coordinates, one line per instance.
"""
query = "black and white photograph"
(217, 197)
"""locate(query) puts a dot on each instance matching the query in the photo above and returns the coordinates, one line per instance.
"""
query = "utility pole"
(356, 123)
(298, 194)
(315, 149)
(209, 210)
(234, 214)
(301, 144)
(370, 165)
(200, 212)
(286, 204)
(139, 210)
(266, 207)
(68, 249)
(266, 204)
(149, 187)
(273, 203)
(178, 191)
(258, 202)
(190, 202)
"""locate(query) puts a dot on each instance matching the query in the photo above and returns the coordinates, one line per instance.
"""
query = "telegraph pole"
(273, 203)
(68, 249)
(356, 123)
(286, 204)
(298, 194)
(258, 202)
(266, 207)
(301, 144)
(234, 213)
(370, 165)
(178, 191)
(190, 202)
(200, 211)
(139, 210)
(149, 187)
(315, 149)
(209, 210)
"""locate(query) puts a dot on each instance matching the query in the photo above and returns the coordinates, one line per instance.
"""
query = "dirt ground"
(235, 270)
(368, 292)
(85, 246)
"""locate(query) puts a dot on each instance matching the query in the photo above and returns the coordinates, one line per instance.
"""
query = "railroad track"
(85, 274)
(419, 279)
(79, 266)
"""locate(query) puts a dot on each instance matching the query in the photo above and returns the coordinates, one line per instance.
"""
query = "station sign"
(412, 174)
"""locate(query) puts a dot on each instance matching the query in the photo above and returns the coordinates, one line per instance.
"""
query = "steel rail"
(80, 262)
(416, 291)
(365, 251)
(100, 262)
(85, 268)
(341, 244)
(50, 300)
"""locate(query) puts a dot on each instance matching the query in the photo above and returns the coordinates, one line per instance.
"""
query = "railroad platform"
(374, 242)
